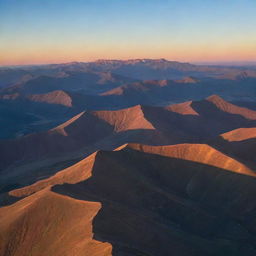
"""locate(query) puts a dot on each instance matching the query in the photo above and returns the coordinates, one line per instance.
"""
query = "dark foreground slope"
(155, 201)
(156, 205)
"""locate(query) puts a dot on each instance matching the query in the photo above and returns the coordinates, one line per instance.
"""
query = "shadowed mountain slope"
(197, 121)
(231, 108)
(164, 69)
(186, 208)
(143, 69)
(82, 130)
(73, 174)
(148, 194)
(80, 136)
(85, 81)
(200, 153)
(137, 87)
(182, 108)
(87, 132)
(239, 143)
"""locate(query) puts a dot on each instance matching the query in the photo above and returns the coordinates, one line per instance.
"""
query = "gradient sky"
(54, 31)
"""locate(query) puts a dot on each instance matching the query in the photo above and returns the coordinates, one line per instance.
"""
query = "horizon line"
(202, 62)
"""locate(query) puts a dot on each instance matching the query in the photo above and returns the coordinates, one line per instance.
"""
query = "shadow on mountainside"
(243, 151)
(155, 205)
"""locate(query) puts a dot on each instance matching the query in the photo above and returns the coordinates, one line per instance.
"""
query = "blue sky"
(42, 31)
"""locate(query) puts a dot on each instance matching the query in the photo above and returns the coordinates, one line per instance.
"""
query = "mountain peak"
(214, 98)
(231, 108)
(125, 119)
(184, 108)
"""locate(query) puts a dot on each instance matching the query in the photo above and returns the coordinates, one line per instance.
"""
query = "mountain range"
(122, 158)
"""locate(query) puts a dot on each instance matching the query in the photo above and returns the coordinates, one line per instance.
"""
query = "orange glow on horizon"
(185, 53)
(42, 32)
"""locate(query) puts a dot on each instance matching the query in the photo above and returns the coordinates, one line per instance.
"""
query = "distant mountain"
(79, 136)
(145, 69)
(162, 92)
(113, 84)
(21, 115)
(40, 95)
(89, 131)
(188, 80)
(227, 107)
(142, 69)
(87, 82)
(55, 97)
(16, 75)
(198, 120)
(44, 99)
(11, 76)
